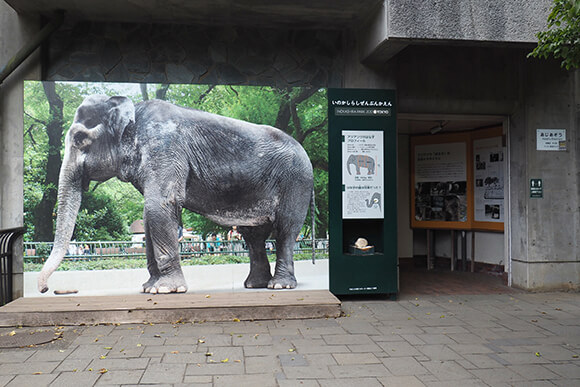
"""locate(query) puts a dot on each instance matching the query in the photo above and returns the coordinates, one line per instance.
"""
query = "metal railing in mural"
(38, 252)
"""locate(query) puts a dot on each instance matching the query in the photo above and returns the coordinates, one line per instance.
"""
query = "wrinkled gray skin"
(233, 172)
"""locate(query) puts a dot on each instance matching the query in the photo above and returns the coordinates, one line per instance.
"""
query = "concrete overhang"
(395, 24)
(299, 14)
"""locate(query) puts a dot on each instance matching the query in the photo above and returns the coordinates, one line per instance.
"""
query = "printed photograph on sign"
(74, 127)
(441, 182)
(362, 174)
(488, 179)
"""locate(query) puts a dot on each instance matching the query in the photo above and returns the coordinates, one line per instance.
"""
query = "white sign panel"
(488, 189)
(362, 174)
(551, 139)
(441, 182)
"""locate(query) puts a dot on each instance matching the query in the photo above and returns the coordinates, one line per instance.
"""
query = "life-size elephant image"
(361, 161)
(233, 172)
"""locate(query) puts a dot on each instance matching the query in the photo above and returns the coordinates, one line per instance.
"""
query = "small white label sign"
(551, 139)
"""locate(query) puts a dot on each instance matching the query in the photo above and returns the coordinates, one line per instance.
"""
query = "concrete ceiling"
(414, 124)
(302, 14)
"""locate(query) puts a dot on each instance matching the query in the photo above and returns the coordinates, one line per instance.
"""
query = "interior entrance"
(425, 253)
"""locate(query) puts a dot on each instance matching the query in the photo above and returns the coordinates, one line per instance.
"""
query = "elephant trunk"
(69, 201)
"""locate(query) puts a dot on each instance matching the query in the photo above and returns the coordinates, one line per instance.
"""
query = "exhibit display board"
(362, 197)
(458, 180)
(362, 144)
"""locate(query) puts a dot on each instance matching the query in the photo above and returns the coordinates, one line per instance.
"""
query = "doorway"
(417, 276)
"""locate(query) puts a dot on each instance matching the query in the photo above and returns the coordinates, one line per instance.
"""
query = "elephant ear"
(121, 112)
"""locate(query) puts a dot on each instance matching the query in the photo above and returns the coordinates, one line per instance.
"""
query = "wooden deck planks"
(146, 308)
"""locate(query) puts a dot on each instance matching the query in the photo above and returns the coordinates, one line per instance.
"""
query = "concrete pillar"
(545, 232)
(19, 31)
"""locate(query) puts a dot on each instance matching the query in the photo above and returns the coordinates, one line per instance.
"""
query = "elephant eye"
(79, 139)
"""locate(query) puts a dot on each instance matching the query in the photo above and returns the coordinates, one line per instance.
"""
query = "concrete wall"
(545, 233)
(11, 153)
(117, 52)
(468, 20)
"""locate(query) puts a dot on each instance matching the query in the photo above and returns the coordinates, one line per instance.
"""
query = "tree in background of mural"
(108, 208)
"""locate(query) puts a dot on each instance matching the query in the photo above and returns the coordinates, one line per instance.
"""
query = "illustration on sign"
(441, 182)
(489, 180)
(362, 174)
(551, 139)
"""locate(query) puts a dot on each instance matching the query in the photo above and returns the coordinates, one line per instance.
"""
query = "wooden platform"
(168, 308)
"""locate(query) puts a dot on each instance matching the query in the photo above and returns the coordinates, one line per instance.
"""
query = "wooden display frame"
(449, 141)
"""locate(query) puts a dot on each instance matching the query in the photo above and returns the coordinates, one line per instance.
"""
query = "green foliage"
(110, 207)
(100, 218)
(562, 39)
(141, 263)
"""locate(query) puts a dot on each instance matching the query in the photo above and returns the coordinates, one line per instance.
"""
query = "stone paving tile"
(398, 381)
(534, 372)
(568, 371)
(356, 358)
(298, 383)
(262, 380)
(163, 373)
(358, 370)
(447, 370)
(262, 364)
(494, 376)
(349, 382)
(308, 372)
(119, 377)
(461, 383)
(73, 365)
(399, 349)
(75, 379)
(219, 368)
(438, 352)
(404, 366)
(305, 346)
(120, 364)
(197, 381)
(27, 368)
(320, 359)
(31, 380)
(15, 356)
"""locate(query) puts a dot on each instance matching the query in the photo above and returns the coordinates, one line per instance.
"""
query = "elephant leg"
(284, 273)
(161, 228)
(255, 238)
(154, 273)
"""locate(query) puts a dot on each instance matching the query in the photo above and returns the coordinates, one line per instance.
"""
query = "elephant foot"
(149, 284)
(165, 285)
(288, 282)
(257, 282)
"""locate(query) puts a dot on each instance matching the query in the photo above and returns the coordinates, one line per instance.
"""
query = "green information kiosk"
(362, 147)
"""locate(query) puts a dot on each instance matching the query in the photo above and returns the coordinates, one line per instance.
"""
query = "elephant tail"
(313, 217)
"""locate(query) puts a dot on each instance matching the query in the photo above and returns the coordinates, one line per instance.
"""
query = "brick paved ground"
(517, 339)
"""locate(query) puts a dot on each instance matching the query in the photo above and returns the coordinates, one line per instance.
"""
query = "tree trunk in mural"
(43, 213)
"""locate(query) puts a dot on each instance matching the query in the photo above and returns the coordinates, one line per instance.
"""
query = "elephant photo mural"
(253, 176)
